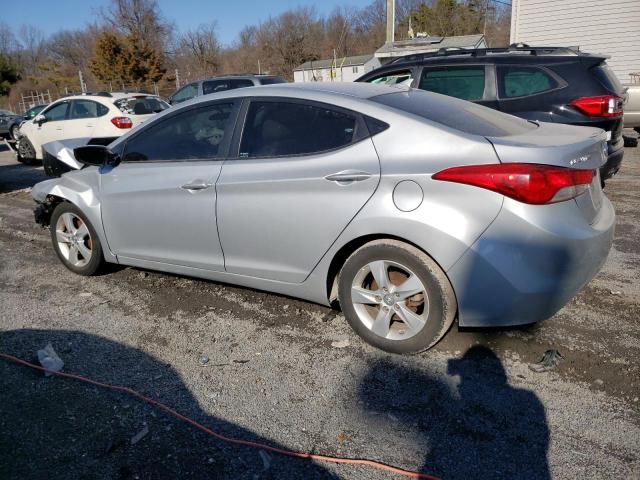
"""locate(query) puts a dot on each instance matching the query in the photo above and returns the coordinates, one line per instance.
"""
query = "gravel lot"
(470, 408)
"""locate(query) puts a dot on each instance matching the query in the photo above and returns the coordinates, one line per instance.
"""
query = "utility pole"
(177, 79)
(391, 21)
(83, 86)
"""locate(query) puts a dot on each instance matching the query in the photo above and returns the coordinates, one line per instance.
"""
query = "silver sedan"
(408, 209)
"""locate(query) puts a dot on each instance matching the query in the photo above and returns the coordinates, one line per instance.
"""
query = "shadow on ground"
(17, 176)
(57, 428)
(479, 427)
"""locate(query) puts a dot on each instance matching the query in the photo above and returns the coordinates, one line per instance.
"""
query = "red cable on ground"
(236, 441)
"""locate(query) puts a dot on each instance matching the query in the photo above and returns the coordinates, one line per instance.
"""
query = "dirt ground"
(262, 367)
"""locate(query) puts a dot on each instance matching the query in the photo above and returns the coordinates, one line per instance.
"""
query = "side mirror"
(40, 119)
(98, 155)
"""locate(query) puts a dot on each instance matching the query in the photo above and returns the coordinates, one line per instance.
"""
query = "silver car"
(408, 208)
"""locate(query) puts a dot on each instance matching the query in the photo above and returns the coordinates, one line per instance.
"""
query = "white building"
(428, 44)
(345, 69)
(609, 27)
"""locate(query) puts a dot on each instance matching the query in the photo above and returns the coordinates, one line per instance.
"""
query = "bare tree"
(199, 51)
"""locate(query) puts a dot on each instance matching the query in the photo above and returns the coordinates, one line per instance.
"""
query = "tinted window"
(222, 85)
(608, 79)
(279, 128)
(87, 109)
(140, 105)
(466, 117)
(194, 134)
(404, 77)
(186, 93)
(57, 112)
(272, 80)
(522, 81)
(465, 82)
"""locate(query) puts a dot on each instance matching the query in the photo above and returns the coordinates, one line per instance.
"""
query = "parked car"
(14, 126)
(407, 207)
(221, 84)
(549, 84)
(100, 117)
(6, 119)
(632, 108)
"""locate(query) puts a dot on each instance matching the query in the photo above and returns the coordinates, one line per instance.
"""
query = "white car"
(101, 117)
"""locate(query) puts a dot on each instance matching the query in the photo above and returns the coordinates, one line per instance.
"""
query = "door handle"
(196, 185)
(89, 125)
(58, 128)
(348, 176)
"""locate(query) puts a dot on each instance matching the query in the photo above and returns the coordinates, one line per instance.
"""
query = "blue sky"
(231, 15)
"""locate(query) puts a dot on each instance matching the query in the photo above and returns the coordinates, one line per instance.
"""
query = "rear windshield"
(464, 116)
(607, 78)
(140, 105)
(272, 80)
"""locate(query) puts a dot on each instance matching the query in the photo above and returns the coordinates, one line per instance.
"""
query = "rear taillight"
(525, 182)
(122, 122)
(602, 106)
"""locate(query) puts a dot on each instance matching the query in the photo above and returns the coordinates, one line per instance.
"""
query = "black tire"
(96, 260)
(442, 305)
(26, 152)
(14, 132)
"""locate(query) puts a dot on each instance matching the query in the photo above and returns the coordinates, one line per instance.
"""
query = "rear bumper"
(529, 263)
(614, 160)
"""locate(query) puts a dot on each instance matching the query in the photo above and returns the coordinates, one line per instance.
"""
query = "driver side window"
(196, 134)
(57, 112)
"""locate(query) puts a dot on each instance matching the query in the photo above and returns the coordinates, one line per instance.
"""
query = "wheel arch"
(344, 252)
(51, 193)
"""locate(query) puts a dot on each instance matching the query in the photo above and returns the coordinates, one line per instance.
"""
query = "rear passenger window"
(466, 83)
(522, 81)
(279, 129)
(222, 85)
(402, 77)
(87, 109)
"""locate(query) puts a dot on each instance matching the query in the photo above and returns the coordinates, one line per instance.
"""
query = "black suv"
(549, 84)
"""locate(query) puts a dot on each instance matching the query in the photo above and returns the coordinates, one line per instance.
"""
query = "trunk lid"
(566, 146)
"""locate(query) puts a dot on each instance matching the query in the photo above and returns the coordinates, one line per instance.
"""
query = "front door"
(159, 204)
(468, 82)
(52, 128)
(303, 171)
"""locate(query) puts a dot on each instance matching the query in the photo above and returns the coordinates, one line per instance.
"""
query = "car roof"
(349, 89)
(523, 53)
(106, 96)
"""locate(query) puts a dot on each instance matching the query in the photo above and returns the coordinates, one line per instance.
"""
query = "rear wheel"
(396, 297)
(75, 240)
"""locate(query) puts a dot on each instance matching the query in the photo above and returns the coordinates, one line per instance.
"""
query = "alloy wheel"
(74, 240)
(390, 300)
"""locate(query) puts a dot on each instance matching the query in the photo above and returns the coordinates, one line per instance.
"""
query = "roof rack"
(514, 48)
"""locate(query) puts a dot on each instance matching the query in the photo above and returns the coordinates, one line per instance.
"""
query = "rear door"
(159, 204)
(468, 82)
(303, 171)
(83, 117)
(53, 128)
(526, 91)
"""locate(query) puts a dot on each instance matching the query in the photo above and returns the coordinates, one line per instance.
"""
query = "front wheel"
(396, 297)
(75, 241)
(14, 132)
(26, 152)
